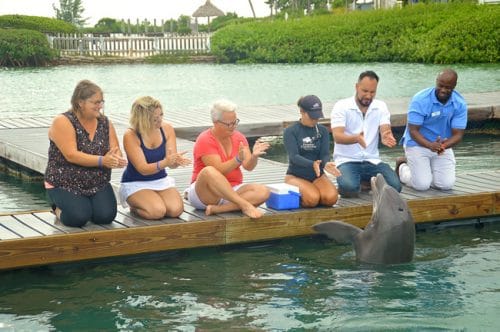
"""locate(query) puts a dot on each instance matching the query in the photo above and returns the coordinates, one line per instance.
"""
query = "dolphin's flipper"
(338, 231)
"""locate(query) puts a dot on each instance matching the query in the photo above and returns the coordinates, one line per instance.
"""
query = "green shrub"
(38, 23)
(449, 33)
(22, 47)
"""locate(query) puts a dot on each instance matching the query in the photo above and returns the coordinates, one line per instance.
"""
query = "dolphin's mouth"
(377, 183)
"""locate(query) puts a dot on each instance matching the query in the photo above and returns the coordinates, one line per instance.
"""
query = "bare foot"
(249, 210)
(208, 210)
(252, 212)
(57, 212)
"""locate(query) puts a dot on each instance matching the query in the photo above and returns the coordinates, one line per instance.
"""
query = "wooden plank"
(126, 219)
(106, 243)
(186, 217)
(6, 234)
(91, 227)
(17, 227)
(37, 224)
(44, 121)
(50, 219)
(147, 222)
(199, 213)
(32, 123)
(7, 123)
(491, 176)
(496, 203)
(480, 184)
(290, 224)
(113, 225)
(453, 207)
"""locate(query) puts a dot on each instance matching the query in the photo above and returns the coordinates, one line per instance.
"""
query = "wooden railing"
(130, 46)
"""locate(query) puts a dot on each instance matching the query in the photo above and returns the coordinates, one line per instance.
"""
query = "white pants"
(426, 168)
(191, 196)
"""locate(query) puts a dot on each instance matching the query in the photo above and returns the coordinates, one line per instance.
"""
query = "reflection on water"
(296, 284)
(18, 195)
(188, 87)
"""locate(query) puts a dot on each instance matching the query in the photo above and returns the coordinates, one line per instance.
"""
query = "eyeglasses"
(230, 124)
(96, 103)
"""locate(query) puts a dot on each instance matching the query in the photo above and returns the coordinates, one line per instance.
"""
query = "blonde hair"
(142, 114)
(83, 91)
(221, 106)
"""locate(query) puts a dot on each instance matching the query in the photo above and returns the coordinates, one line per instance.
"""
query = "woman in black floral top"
(83, 149)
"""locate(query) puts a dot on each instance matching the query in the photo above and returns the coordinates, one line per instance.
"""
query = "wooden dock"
(37, 238)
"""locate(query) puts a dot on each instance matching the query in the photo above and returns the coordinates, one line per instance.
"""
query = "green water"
(305, 284)
(18, 195)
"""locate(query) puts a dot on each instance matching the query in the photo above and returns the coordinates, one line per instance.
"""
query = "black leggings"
(76, 210)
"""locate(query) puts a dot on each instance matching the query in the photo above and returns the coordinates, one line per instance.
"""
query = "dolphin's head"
(389, 237)
(389, 208)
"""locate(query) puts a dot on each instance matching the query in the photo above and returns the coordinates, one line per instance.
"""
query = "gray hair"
(221, 106)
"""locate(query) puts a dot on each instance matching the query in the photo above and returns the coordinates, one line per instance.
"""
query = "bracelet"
(158, 165)
(238, 160)
(99, 162)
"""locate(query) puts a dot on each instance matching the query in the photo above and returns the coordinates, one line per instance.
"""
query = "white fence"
(130, 46)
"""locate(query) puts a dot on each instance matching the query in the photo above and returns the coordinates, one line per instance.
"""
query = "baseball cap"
(312, 105)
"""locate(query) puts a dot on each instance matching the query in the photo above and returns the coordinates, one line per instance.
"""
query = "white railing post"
(130, 46)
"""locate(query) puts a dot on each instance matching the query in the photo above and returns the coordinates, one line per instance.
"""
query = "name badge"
(437, 113)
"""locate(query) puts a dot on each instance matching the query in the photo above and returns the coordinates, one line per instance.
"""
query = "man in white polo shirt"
(356, 124)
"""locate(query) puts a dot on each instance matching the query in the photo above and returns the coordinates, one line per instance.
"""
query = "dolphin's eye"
(401, 209)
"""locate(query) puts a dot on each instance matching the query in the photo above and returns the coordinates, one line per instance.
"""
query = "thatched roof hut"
(208, 10)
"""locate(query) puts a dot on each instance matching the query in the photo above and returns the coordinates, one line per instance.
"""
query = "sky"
(133, 9)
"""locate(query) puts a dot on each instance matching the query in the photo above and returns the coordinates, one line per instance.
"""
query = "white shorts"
(129, 188)
(192, 197)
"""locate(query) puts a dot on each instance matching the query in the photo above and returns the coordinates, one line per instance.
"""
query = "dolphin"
(389, 236)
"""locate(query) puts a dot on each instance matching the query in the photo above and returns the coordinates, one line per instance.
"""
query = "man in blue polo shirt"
(436, 122)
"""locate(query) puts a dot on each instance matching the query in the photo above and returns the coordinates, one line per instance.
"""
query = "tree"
(107, 24)
(296, 5)
(251, 7)
(70, 11)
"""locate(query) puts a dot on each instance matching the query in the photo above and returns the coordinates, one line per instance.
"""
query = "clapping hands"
(361, 140)
(113, 159)
(388, 139)
(260, 148)
(177, 159)
(330, 167)
(438, 145)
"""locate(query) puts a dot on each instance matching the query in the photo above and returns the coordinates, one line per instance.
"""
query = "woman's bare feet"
(208, 210)
(57, 213)
(252, 212)
(249, 210)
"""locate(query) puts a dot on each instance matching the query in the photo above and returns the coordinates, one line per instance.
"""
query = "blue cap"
(312, 105)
